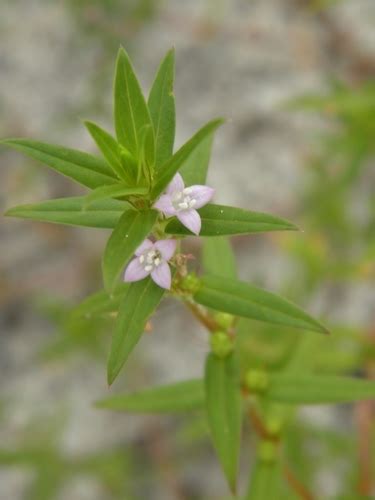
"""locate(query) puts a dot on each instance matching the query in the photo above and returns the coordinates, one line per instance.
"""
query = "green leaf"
(221, 220)
(317, 389)
(81, 167)
(194, 169)
(223, 406)
(100, 302)
(112, 191)
(218, 257)
(166, 173)
(130, 231)
(179, 397)
(140, 301)
(242, 299)
(162, 110)
(70, 211)
(147, 154)
(130, 108)
(109, 148)
(265, 482)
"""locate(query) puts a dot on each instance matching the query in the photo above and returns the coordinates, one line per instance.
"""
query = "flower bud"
(274, 425)
(267, 452)
(224, 320)
(190, 283)
(221, 344)
(256, 380)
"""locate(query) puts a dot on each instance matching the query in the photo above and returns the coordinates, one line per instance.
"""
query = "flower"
(183, 201)
(152, 258)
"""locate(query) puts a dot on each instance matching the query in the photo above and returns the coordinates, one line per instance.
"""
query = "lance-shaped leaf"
(110, 150)
(168, 170)
(140, 301)
(161, 104)
(101, 302)
(179, 397)
(194, 169)
(317, 389)
(265, 481)
(83, 168)
(70, 211)
(146, 154)
(218, 257)
(131, 230)
(130, 108)
(242, 299)
(223, 406)
(221, 220)
(112, 191)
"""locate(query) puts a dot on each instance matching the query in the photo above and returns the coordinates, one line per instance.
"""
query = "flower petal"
(146, 245)
(162, 276)
(166, 248)
(176, 184)
(164, 204)
(190, 219)
(135, 271)
(202, 194)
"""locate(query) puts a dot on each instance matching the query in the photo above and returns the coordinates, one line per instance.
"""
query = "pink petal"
(202, 195)
(190, 219)
(164, 204)
(176, 184)
(166, 248)
(162, 276)
(135, 271)
(146, 245)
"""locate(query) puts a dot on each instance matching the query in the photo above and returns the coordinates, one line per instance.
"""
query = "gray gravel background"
(239, 59)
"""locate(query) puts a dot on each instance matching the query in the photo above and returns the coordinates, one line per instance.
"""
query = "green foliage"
(130, 109)
(81, 167)
(179, 397)
(137, 305)
(73, 211)
(318, 389)
(242, 299)
(223, 407)
(161, 104)
(221, 220)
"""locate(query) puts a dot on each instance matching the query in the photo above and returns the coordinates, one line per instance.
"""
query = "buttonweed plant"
(152, 198)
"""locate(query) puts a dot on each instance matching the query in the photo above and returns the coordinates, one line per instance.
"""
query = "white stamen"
(183, 205)
(192, 203)
(157, 261)
(148, 268)
(142, 259)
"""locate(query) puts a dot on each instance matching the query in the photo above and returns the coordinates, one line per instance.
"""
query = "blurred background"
(295, 78)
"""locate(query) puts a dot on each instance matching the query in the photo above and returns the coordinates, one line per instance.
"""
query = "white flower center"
(182, 200)
(150, 259)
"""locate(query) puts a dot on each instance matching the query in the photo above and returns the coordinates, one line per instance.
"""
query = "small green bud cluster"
(190, 284)
(267, 451)
(224, 320)
(221, 344)
(256, 380)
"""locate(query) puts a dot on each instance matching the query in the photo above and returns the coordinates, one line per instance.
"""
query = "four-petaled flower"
(183, 201)
(152, 258)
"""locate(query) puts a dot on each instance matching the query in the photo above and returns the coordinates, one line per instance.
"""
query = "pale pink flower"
(152, 259)
(183, 201)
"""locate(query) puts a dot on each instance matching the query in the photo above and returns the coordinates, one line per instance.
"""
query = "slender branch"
(364, 412)
(296, 485)
(201, 316)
